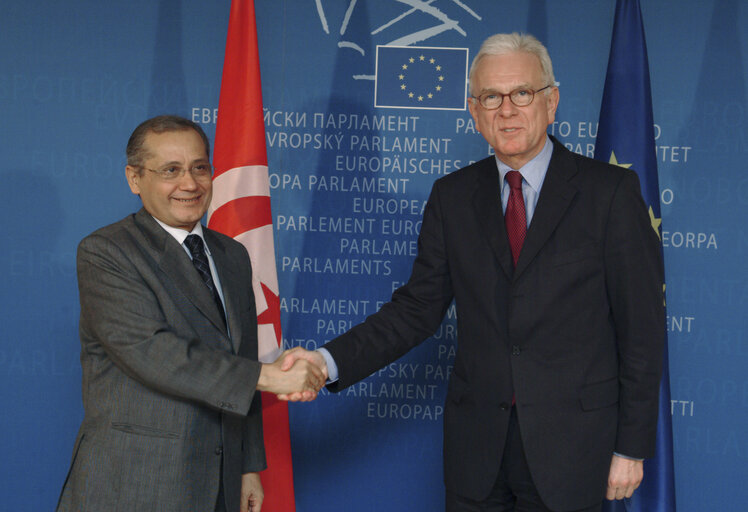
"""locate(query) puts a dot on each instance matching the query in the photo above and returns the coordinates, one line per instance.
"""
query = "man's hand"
(291, 357)
(252, 494)
(300, 378)
(624, 477)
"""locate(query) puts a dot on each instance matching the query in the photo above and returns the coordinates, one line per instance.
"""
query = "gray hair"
(136, 152)
(500, 44)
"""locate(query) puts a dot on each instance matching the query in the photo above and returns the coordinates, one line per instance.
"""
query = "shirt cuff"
(627, 457)
(332, 368)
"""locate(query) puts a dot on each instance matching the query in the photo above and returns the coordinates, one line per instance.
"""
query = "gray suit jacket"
(165, 400)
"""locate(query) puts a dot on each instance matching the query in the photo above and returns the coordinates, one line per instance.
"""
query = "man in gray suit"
(168, 330)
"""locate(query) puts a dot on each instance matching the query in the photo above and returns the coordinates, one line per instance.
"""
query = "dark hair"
(135, 151)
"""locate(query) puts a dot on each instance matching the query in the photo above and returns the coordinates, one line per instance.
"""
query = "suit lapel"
(229, 284)
(555, 197)
(488, 214)
(176, 264)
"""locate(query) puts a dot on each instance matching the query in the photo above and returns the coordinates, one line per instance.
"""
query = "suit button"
(219, 450)
(504, 406)
(515, 350)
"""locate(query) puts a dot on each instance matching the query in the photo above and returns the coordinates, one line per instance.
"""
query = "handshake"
(296, 376)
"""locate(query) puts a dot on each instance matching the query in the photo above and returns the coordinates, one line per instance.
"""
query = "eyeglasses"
(520, 97)
(174, 172)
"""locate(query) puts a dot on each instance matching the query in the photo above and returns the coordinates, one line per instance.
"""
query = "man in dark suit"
(556, 273)
(168, 330)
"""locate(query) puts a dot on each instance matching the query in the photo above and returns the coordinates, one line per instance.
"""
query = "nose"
(507, 108)
(187, 181)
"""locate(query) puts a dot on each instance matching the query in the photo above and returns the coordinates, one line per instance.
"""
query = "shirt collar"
(181, 234)
(533, 171)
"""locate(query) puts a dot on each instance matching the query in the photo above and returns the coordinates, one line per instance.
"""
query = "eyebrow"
(520, 86)
(175, 162)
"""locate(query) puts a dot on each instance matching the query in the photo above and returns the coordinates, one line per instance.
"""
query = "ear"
(133, 178)
(552, 104)
(473, 107)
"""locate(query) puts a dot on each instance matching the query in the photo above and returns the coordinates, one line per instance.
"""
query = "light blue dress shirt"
(533, 176)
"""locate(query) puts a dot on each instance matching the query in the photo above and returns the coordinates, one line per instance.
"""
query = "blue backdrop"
(348, 183)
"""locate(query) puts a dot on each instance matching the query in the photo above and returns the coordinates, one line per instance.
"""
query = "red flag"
(241, 209)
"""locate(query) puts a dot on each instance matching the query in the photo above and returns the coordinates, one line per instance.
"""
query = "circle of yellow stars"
(421, 95)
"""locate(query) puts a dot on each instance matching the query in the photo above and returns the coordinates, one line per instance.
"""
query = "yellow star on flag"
(656, 222)
(613, 160)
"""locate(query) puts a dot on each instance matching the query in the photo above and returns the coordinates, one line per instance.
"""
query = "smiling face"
(180, 202)
(517, 134)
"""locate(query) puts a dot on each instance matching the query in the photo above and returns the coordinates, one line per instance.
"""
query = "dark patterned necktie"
(195, 245)
(515, 217)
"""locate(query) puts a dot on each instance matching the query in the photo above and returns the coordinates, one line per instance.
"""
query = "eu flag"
(625, 137)
(421, 77)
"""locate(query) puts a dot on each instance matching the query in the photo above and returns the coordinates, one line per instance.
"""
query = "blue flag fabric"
(421, 77)
(626, 137)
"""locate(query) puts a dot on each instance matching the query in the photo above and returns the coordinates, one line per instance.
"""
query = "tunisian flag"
(241, 209)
